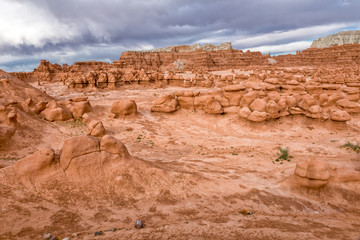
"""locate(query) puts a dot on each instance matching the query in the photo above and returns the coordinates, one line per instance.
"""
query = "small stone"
(66, 238)
(139, 224)
(74, 235)
(245, 211)
(111, 230)
(47, 236)
(98, 233)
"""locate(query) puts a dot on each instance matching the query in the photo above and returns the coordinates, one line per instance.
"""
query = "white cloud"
(26, 23)
(242, 41)
(282, 48)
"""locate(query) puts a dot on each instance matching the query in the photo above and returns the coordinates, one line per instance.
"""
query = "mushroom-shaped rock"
(273, 95)
(258, 116)
(291, 101)
(312, 173)
(167, 103)
(214, 107)
(315, 109)
(273, 109)
(258, 105)
(124, 107)
(96, 128)
(114, 146)
(77, 146)
(340, 116)
(81, 107)
(56, 114)
(244, 112)
(349, 106)
(247, 99)
(306, 102)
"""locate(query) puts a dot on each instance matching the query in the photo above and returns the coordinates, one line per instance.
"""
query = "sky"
(67, 31)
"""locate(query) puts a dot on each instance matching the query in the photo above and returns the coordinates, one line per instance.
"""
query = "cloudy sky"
(66, 31)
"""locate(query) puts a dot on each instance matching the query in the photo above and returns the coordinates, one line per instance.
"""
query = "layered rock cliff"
(207, 57)
(341, 38)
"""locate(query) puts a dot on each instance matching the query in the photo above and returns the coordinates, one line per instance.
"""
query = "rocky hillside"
(341, 38)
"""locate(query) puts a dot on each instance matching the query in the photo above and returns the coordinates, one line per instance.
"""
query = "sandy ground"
(226, 164)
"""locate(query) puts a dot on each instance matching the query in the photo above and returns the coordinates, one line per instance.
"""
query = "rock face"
(341, 38)
(208, 57)
(312, 173)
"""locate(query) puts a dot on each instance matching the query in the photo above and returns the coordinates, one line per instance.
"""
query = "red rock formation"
(199, 59)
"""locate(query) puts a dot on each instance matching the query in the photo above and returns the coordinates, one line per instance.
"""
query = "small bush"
(352, 146)
(283, 155)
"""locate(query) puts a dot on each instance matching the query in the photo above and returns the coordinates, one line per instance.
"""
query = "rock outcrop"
(124, 107)
(167, 104)
(312, 173)
(341, 38)
(273, 98)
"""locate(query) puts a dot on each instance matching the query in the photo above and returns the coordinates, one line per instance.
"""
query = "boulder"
(96, 128)
(124, 107)
(315, 109)
(76, 147)
(273, 109)
(56, 114)
(273, 95)
(258, 116)
(80, 107)
(258, 105)
(306, 102)
(349, 106)
(291, 101)
(167, 103)
(248, 98)
(312, 173)
(214, 107)
(40, 106)
(114, 146)
(340, 116)
(244, 112)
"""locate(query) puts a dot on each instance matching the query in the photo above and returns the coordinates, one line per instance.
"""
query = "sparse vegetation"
(283, 155)
(139, 138)
(76, 123)
(9, 159)
(352, 146)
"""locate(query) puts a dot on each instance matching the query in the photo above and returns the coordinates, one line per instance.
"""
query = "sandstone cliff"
(207, 57)
(341, 38)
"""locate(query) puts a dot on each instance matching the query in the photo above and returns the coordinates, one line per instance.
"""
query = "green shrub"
(352, 146)
(283, 155)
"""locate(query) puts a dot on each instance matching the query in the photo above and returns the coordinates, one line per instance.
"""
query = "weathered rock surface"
(124, 107)
(96, 128)
(341, 38)
(312, 173)
(166, 103)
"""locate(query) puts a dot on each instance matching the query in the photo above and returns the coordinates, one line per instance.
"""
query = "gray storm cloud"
(68, 31)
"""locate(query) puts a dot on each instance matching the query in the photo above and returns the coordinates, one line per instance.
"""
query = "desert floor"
(223, 166)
